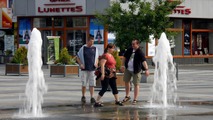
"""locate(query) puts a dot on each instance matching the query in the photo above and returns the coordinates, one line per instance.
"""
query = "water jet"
(35, 87)
(164, 86)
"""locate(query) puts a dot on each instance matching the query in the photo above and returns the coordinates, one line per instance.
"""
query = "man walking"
(134, 59)
(87, 58)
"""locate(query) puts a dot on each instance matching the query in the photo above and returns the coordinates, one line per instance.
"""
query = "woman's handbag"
(98, 72)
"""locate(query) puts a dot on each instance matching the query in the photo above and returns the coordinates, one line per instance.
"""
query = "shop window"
(187, 37)
(200, 43)
(177, 23)
(76, 22)
(176, 43)
(75, 39)
(58, 22)
(69, 22)
(42, 22)
(202, 24)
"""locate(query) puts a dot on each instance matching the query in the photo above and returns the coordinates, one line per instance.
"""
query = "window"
(69, 22)
(75, 39)
(187, 37)
(202, 24)
(76, 22)
(58, 22)
(176, 43)
(201, 43)
(42, 22)
(177, 23)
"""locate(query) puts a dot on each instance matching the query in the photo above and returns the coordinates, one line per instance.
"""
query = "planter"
(12, 68)
(64, 70)
(119, 81)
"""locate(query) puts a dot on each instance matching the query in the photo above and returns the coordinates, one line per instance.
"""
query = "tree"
(138, 21)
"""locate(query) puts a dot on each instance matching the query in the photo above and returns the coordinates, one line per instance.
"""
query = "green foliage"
(162, 21)
(65, 58)
(73, 60)
(118, 60)
(8, 52)
(20, 56)
(138, 21)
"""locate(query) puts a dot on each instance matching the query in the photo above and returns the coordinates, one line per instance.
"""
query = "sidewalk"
(194, 98)
(195, 84)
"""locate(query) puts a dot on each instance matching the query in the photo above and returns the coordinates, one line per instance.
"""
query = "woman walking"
(108, 62)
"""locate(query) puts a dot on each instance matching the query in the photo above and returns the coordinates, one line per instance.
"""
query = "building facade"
(193, 22)
(71, 20)
(193, 27)
(7, 27)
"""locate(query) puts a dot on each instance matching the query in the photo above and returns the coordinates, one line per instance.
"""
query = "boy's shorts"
(88, 77)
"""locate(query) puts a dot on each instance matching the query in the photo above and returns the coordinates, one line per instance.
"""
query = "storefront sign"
(6, 18)
(53, 49)
(98, 32)
(193, 9)
(24, 31)
(182, 10)
(60, 7)
(3, 3)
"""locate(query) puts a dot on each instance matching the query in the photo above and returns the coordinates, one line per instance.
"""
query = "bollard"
(176, 66)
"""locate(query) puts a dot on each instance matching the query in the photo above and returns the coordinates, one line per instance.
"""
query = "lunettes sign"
(182, 10)
(60, 7)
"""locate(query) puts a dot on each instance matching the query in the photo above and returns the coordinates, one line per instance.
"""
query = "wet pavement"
(112, 112)
(62, 102)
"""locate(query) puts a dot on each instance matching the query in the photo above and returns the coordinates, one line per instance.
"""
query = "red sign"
(60, 7)
(182, 10)
(6, 17)
(58, 10)
(3, 3)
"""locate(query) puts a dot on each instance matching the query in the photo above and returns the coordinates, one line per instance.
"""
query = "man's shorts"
(129, 74)
(88, 77)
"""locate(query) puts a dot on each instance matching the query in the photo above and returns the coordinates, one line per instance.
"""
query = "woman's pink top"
(110, 63)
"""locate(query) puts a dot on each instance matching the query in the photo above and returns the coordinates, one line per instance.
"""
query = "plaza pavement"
(195, 84)
(194, 95)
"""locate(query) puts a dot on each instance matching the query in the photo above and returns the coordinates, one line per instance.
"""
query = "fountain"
(164, 86)
(35, 87)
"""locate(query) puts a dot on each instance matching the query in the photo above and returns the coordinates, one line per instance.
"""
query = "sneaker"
(98, 104)
(126, 99)
(83, 99)
(134, 102)
(92, 100)
(119, 103)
